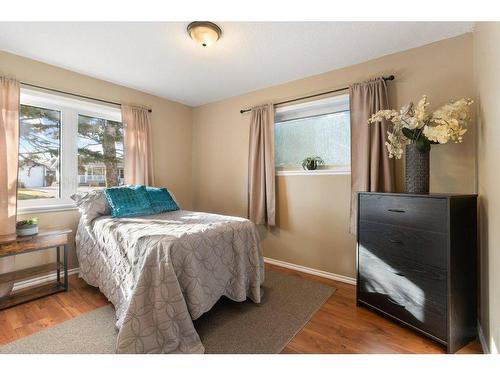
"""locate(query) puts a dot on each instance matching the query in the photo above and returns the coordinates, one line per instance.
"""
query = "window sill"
(44, 209)
(317, 172)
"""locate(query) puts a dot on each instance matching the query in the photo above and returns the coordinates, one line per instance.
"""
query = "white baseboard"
(482, 339)
(40, 280)
(311, 271)
(493, 347)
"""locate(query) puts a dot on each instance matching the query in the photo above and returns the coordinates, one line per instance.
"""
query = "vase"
(416, 170)
(27, 230)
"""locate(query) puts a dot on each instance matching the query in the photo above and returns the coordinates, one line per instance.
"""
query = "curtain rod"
(390, 78)
(73, 94)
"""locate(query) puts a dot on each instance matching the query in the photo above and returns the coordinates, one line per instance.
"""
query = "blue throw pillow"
(161, 200)
(128, 201)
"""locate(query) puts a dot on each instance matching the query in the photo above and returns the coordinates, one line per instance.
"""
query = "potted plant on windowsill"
(311, 163)
(417, 129)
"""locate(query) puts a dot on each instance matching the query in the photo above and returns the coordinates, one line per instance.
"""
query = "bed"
(163, 271)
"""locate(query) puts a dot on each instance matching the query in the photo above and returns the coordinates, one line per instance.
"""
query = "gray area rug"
(230, 327)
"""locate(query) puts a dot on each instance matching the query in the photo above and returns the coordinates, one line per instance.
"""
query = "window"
(316, 128)
(100, 153)
(65, 145)
(39, 150)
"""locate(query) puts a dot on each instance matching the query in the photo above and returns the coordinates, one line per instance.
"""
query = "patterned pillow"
(92, 204)
(128, 201)
(161, 200)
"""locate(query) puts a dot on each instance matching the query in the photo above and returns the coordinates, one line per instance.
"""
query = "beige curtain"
(371, 167)
(261, 195)
(9, 139)
(138, 160)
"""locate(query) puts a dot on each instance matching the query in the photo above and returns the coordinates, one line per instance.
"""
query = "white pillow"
(92, 204)
(175, 200)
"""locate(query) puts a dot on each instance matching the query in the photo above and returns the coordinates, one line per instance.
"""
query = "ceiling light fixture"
(204, 32)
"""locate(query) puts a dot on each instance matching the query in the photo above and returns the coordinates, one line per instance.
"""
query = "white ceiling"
(160, 58)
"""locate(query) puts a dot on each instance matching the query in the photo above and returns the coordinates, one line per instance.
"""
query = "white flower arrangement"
(414, 124)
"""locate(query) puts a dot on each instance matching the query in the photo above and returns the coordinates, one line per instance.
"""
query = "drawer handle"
(396, 210)
(395, 241)
(395, 303)
(400, 274)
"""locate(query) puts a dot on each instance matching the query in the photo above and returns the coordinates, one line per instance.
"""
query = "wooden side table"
(11, 245)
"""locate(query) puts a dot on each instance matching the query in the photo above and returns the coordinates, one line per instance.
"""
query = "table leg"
(58, 264)
(66, 267)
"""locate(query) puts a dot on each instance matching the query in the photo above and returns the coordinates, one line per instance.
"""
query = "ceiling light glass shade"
(204, 32)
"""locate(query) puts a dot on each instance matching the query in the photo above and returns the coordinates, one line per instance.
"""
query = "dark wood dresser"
(417, 262)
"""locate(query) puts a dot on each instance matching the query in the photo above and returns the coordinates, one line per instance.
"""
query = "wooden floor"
(337, 327)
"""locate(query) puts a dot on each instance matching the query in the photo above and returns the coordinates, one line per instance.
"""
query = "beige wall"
(171, 131)
(486, 68)
(313, 211)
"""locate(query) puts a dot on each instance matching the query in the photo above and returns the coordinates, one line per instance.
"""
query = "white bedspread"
(163, 271)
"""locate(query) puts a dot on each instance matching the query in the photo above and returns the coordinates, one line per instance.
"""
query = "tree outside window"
(100, 146)
(39, 153)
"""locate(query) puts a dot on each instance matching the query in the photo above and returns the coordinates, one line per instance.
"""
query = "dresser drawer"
(425, 316)
(401, 276)
(423, 213)
(404, 290)
(389, 241)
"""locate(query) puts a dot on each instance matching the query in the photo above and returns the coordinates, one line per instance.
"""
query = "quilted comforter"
(163, 271)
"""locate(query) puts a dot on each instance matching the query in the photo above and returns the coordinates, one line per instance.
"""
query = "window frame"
(329, 169)
(69, 108)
